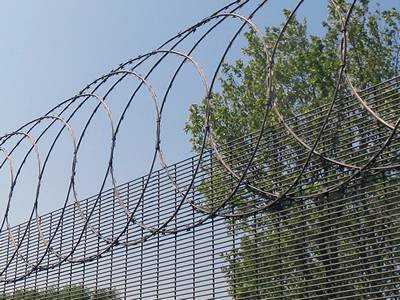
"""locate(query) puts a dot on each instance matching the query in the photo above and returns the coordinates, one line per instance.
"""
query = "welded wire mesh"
(337, 245)
(304, 208)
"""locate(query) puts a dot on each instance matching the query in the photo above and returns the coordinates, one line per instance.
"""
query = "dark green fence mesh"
(336, 235)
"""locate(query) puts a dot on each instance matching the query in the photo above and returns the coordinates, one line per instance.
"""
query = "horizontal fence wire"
(305, 208)
(311, 244)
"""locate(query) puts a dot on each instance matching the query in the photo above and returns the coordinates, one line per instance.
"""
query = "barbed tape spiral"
(209, 143)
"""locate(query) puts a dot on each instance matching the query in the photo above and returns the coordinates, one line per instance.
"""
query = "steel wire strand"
(143, 239)
(153, 232)
(347, 258)
(316, 152)
(269, 105)
(263, 127)
(150, 172)
(203, 149)
(343, 55)
(268, 194)
(241, 180)
(72, 182)
(69, 101)
(310, 172)
(34, 211)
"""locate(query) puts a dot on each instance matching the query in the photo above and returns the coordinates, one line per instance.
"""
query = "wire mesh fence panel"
(305, 207)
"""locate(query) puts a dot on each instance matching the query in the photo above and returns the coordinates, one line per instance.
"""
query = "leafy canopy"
(305, 69)
(305, 72)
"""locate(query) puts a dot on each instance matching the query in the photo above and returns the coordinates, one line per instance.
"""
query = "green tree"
(65, 293)
(305, 72)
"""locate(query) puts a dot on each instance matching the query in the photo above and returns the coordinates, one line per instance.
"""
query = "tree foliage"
(73, 292)
(305, 72)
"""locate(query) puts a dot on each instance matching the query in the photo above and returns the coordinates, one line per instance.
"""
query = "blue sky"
(50, 50)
